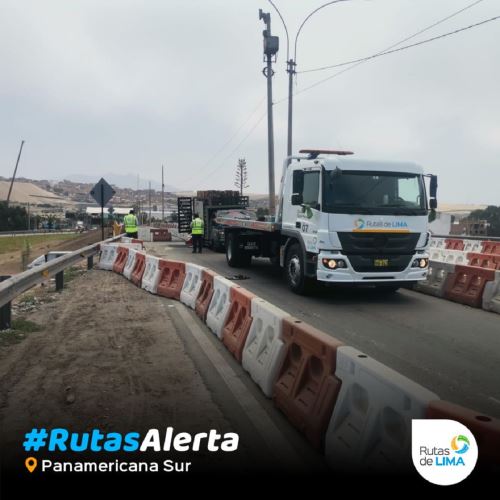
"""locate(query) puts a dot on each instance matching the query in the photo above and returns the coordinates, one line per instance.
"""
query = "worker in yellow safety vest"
(131, 223)
(197, 230)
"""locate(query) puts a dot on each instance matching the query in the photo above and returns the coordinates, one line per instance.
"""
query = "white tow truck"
(342, 220)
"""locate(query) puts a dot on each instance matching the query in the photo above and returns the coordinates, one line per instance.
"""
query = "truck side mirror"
(298, 181)
(433, 186)
(297, 199)
(433, 203)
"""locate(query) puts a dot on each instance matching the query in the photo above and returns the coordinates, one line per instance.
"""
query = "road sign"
(184, 214)
(102, 192)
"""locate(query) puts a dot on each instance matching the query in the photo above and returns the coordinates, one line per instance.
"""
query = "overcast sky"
(98, 86)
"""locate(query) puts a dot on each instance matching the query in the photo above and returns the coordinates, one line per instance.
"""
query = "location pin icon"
(31, 463)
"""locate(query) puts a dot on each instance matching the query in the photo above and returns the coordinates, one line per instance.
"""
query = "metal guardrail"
(39, 231)
(19, 283)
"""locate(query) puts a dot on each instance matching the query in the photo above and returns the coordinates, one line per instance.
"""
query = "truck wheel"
(294, 268)
(233, 255)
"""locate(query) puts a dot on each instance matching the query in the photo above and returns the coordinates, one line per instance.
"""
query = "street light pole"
(291, 64)
(291, 71)
(271, 45)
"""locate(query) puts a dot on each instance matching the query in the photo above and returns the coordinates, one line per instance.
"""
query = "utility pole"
(271, 46)
(291, 71)
(149, 194)
(15, 172)
(162, 196)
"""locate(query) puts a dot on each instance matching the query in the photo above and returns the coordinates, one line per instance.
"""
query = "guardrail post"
(5, 311)
(90, 262)
(59, 281)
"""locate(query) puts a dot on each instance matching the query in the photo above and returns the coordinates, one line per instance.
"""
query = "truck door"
(301, 212)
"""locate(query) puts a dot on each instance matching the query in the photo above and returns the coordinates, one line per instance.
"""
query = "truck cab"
(356, 221)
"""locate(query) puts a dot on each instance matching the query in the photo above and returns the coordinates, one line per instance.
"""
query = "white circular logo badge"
(444, 451)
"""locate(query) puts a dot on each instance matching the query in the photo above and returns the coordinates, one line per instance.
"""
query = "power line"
(416, 44)
(224, 146)
(433, 25)
(223, 162)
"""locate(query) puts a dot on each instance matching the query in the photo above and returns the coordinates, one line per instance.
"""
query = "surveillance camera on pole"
(271, 47)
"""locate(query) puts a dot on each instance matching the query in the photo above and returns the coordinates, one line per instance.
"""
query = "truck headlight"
(422, 263)
(334, 263)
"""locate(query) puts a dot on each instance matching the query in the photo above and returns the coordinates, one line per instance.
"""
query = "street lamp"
(291, 64)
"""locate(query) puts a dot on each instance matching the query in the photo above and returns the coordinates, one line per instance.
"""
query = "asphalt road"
(449, 348)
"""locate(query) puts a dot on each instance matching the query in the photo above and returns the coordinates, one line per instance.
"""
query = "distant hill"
(25, 192)
(121, 180)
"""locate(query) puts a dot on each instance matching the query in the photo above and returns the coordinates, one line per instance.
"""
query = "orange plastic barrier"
(172, 277)
(452, 244)
(486, 260)
(306, 388)
(486, 429)
(238, 322)
(491, 247)
(466, 285)
(121, 260)
(139, 267)
(160, 234)
(206, 293)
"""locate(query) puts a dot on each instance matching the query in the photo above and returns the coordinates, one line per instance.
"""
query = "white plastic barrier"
(264, 348)
(129, 266)
(192, 284)
(108, 256)
(436, 254)
(144, 233)
(473, 246)
(437, 276)
(219, 305)
(491, 294)
(437, 242)
(151, 275)
(449, 256)
(370, 427)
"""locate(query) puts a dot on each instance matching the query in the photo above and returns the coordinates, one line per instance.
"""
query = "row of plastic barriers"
(355, 410)
(464, 271)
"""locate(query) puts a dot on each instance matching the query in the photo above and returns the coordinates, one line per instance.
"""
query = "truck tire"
(295, 271)
(233, 256)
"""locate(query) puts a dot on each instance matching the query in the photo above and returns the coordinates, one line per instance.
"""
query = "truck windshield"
(350, 191)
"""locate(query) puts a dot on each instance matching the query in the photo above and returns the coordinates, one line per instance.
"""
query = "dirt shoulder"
(109, 357)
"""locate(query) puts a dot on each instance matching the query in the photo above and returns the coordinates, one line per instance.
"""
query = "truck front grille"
(378, 243)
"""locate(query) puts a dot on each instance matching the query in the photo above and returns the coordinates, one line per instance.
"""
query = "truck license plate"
(380, 262)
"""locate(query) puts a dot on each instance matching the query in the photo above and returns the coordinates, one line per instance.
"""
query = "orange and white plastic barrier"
(192, 284)
(109, 253)
(151, 275)
(371, 422)
(172, 277)
(238, 322)
(264, 349)
(219, 305)
(129, 265)
(306, 388)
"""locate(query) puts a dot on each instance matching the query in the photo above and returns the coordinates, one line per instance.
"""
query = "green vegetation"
(12, 218)
(71, 273)
(27, 299)
(490, 214)
(18, 243)
(20, 327)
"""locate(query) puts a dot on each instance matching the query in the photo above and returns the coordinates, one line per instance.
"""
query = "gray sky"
(123, 86)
